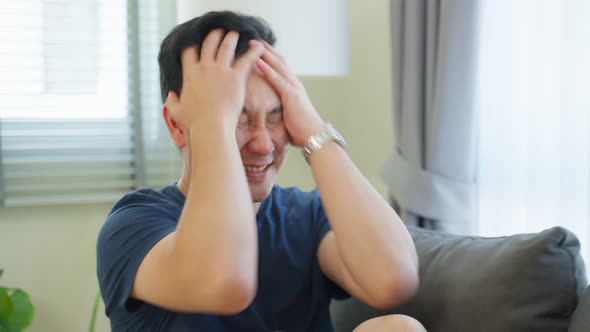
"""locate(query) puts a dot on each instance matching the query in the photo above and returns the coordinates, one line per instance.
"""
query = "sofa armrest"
(581, 317)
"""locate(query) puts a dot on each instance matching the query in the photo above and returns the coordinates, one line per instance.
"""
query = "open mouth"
(254, 169)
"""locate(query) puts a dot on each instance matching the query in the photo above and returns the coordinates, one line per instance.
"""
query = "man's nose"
(261, 142)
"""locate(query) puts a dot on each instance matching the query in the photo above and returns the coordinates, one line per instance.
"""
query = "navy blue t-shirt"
(293, 293)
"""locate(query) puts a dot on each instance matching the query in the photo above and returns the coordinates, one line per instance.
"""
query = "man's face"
(262, 136)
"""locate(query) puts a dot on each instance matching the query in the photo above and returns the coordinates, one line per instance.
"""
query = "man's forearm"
(372, 240)
(217, 228)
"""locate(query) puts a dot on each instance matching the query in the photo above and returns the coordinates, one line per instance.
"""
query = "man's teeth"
(255, 169)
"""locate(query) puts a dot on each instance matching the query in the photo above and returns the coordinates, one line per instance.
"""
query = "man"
(224, 249)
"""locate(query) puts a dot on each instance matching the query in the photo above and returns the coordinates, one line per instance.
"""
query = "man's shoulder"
(148, 206)
(148, 197)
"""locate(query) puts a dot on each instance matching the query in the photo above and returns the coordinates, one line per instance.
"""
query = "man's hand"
(213, 85)
(209, 264)
(369, 251)
(301, 118)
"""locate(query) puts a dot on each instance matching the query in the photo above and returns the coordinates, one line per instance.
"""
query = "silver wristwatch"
(317, 141)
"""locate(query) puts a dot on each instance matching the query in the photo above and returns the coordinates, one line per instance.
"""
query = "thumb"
(172, 102)
(172, 98)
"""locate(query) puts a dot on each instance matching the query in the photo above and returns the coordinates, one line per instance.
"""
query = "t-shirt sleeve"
(134, 226)
(322, 228)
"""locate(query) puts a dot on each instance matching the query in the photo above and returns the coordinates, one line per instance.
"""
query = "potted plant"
(16, 309)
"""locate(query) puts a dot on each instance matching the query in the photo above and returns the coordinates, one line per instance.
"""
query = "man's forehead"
(260, 94)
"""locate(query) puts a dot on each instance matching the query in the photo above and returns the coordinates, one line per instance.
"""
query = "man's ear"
(177, 133)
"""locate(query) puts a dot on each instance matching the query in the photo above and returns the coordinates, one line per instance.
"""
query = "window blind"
(162, 160)
(79, 91)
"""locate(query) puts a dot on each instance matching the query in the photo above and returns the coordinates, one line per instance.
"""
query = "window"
(79, 117)
(535, 121)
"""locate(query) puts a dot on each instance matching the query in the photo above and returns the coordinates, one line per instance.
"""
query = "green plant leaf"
(1, 272)
(6, 306)
(9, 328)
(4, 327)
(23, 313)
(94, 312)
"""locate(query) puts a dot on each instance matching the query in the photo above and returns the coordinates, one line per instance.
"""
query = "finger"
(276, 81)
(172, 99)
(246, 61)
(278, 65)
(188, 59)
(274, 51)
(210, 45)
(172, 103)
(227, 50)
(189, 56)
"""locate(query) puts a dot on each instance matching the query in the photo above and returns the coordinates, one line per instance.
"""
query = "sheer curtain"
(534, 97)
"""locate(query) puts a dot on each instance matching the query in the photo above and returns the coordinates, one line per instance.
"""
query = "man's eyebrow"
(278, 109)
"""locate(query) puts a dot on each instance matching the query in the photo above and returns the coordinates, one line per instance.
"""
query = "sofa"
(520, 283)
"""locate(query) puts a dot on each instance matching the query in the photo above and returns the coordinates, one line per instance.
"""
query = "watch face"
(336, 135)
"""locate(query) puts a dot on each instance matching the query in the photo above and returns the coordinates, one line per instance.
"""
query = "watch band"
(317, 141)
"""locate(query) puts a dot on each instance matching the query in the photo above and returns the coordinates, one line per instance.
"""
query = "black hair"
(193, 32)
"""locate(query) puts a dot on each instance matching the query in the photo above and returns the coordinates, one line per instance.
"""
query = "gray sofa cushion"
(526, 282)
(581, 317)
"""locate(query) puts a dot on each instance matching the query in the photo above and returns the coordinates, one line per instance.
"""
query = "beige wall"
(359, 105)
(50, 251)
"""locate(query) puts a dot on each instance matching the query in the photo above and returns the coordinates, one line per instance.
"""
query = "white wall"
(50, 251)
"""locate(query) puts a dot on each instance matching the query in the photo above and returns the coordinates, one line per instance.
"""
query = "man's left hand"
(301, 118)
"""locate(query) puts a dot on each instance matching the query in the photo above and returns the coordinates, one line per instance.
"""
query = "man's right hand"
(213, 85)
(209, 264)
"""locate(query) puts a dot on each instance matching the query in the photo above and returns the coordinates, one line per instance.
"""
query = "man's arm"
(369, 252)
(209, 264)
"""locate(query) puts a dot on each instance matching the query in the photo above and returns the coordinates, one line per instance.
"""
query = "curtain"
(431, 174)
(534, 168)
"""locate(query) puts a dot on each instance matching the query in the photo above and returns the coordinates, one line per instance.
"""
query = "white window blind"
(162, 159)
(79, 92)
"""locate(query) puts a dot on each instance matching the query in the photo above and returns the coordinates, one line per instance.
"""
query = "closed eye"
(275, 116)
(243, 119)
